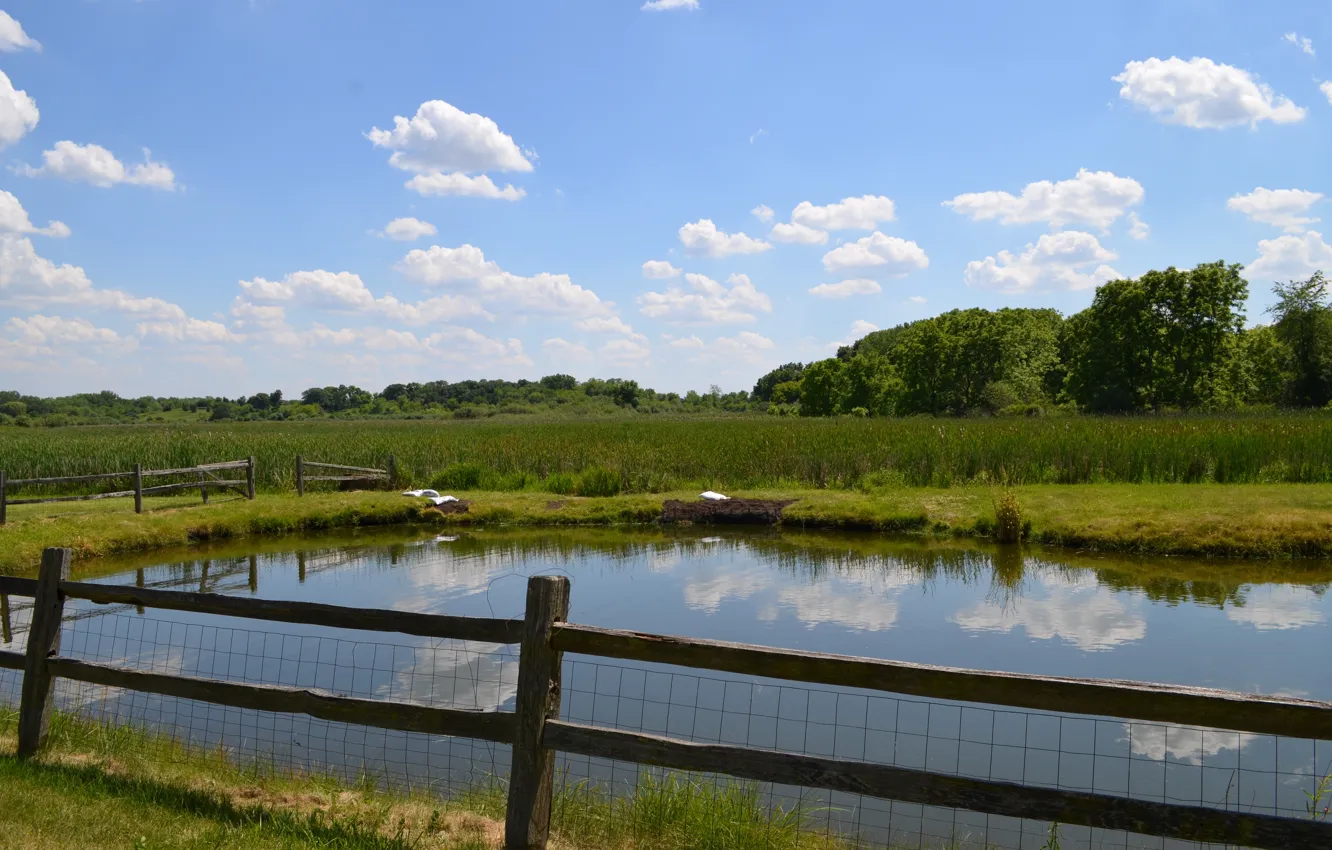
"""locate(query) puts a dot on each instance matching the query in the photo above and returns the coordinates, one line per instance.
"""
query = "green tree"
(822, 388)
(1160, 341)
(783, 374)
(870, 383)
(1304, 325)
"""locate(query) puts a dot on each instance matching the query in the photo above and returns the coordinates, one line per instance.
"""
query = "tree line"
(1169, 340)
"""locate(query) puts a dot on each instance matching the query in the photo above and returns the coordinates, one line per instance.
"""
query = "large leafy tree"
(1303, 323)
(783, 374)
(822, 388)
(1160, 341)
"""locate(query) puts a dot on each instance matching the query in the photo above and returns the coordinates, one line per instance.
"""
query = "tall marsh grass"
(655, 455)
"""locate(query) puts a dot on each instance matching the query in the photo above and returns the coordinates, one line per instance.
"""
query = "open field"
(659, 454)
(1251, 521)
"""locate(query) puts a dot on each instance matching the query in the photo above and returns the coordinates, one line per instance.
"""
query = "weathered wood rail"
(536, 733)
(207, 479)
(389, 475)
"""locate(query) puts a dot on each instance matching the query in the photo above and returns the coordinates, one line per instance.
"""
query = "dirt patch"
(459, 507)
(555, 506)
(726, 512)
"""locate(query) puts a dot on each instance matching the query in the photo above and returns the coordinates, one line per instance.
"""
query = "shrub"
(561, 483)
(1008, 518)
(598, 481)
(459, 476)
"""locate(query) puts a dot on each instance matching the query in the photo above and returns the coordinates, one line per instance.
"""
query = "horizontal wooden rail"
(191, 485)
(11, 660)
(1188, 706)
(343, 466)
(119, 494)
(15, 586)
(310, 613)
(72, 479)
(1188, 823)
(406, 717)
(204, 467)
(344, 478)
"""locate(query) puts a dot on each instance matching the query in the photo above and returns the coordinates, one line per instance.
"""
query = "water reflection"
(1230, 625)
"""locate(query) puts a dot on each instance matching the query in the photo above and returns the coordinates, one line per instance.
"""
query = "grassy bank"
(1252, 521)
(651, 455)
(103, 786)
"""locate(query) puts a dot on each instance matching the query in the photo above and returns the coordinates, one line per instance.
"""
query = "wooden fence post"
(6, 630)
(43, 642)
(3, 482)
(300, 476)
(249, 479)
(393, 471)
(138, 488)
(203, 491)
(532, 772)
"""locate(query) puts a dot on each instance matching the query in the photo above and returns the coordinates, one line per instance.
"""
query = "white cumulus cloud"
(12, 36)
(345, 292)
(441, 137)
(1055, 261)
(408, 229)
(622, 351)
(668, 5)
(18, 112)
(14, 219)
(1290, 256)
(56, 335)
(96, 165)
(1138, 229)
(763, 213)
(439, 184)
(847, 288)
(1203, 94)
(863, 213)
(1326, 89)
(1284, 208)
(466, 265)
(1095, 198)
(559, 347)
(703, 238)
(888, 254)
(608, 325)
(709, 302)
(659, 270)
(798, 234)
(31, 281)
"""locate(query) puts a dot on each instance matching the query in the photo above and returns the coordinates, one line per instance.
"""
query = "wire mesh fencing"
(603, 801)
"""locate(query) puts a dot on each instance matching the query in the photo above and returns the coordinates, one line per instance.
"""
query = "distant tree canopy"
(1169, 340)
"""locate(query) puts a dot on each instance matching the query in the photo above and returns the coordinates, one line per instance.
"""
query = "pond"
(1256, 627)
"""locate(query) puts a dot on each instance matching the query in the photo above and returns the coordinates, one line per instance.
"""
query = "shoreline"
(1249, 522)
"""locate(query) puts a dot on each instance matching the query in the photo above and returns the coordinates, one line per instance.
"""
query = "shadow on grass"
(317, 827)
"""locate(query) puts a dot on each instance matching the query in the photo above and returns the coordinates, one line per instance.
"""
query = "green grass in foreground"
(1251, 521)
(104, 786)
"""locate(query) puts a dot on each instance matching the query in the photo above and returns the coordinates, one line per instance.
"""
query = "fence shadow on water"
(604, 797)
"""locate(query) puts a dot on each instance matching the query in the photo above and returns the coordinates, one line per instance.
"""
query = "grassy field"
(1253, 521)
(656, 455)
(103, 786)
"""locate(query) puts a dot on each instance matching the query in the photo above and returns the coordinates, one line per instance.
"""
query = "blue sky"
(902, 159)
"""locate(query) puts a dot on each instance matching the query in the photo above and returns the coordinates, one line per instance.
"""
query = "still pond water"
(1263, 628)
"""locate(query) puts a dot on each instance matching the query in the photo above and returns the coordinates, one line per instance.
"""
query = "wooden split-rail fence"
(536, 733)
(342, 472)
(207, 474)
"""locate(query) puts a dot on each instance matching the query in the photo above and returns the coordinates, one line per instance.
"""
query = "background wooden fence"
(345, 473)
(535, 731)
(207, 478)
